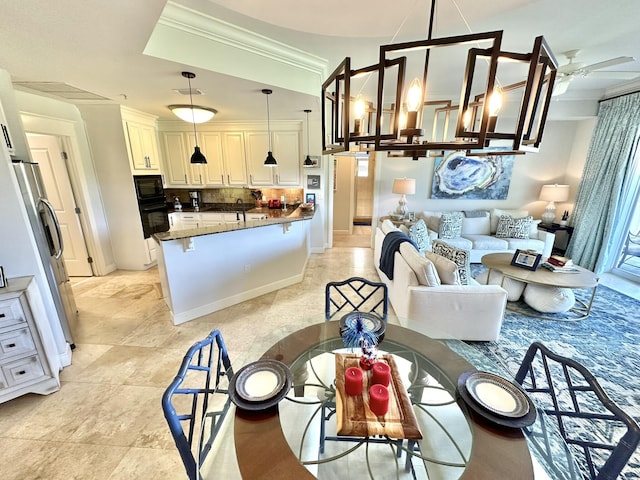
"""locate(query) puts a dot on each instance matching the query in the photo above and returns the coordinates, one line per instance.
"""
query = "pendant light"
(270, 161)
(197, 156)
(307, 161)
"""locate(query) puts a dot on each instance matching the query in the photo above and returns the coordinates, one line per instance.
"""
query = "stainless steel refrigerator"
(46, 230)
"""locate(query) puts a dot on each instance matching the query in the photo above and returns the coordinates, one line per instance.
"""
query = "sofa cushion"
(388, 226)
(432, 219)
(533, 232)
(404, 229)
(450, 225)
(447, 270)
(509, 227)
(460, 242)
(475, 213)
(459, 256)
(526, 244)
(476, 225)
(424, 269)
(419, 234)
(496, 213)
(513, 287)
(487, 242)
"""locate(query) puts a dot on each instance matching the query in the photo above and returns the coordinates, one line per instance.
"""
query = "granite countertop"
(274, 217)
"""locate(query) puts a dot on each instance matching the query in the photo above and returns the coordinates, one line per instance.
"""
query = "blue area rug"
(607, 343)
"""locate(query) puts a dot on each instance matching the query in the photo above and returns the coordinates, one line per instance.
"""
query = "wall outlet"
(247, 268)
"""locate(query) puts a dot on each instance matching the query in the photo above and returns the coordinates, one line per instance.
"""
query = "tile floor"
(106, 421)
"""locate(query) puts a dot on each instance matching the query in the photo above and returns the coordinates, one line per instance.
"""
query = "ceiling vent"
(63, 90)
(185, 91)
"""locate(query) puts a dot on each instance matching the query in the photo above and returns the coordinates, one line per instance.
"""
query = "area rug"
(607, 343)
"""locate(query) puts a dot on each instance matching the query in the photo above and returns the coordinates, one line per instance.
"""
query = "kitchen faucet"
(244, 215)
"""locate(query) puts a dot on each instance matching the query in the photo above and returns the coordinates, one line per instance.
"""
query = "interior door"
(46, 152)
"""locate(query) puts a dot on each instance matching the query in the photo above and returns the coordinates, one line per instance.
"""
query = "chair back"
(196, 397)
(356, 294)
(601, 436)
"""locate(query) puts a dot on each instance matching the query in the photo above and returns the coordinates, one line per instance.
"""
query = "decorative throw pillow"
(425, 271)
(388, 226)
(458, 256)
(450, 225)
(419, 234)
(447, 270)
(509, 227)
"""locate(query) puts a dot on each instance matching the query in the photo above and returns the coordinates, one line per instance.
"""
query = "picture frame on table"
(310, 198)
(526, 259)
(412, 216)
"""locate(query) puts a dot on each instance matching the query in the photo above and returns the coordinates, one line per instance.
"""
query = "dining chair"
(197, 400)
(631, 248)
(602, 437)
(356, 294)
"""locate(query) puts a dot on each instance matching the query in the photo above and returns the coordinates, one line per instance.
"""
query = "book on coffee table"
(558, 269)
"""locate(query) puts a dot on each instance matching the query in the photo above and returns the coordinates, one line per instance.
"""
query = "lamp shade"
(405, 186)
(554, 193)
(193, 114)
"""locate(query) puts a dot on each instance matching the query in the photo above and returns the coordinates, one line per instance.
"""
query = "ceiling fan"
(571, 70)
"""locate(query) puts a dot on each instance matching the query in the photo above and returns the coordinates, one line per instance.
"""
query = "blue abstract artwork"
(458, 176)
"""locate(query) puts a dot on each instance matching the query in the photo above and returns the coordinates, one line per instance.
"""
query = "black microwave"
(148, 187)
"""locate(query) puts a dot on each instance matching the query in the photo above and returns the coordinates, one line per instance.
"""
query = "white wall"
(562, 148)
(48, 116)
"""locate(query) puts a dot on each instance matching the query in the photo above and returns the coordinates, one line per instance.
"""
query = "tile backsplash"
(230, 195)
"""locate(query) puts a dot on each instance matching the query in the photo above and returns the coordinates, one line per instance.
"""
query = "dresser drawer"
(23, 370)
(11, 312)
(16, 342)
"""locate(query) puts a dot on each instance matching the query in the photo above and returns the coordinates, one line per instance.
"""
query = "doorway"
(354, 176)
(48, 151)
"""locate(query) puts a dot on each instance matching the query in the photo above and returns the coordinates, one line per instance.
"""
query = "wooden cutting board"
(355, 418)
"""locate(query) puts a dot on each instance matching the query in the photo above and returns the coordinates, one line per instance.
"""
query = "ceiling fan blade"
(608, 63)
(620, 75)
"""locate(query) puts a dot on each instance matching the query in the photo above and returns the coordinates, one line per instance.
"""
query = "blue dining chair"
(601, 436)
(197, 396)
(356, 294)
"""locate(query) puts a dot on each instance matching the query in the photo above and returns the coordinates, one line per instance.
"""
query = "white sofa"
(478, 234)
(465, 312)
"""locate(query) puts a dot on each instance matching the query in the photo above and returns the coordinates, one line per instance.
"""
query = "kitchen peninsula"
(206, 269)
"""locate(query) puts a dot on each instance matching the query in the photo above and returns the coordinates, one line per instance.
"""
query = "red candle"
(381, 373)
(379, 399)
(353, 381)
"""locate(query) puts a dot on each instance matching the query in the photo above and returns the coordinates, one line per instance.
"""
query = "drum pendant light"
(270, 161)
(308, 163)
(197, 156)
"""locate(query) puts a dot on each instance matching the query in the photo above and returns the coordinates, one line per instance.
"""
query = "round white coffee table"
(583, 279)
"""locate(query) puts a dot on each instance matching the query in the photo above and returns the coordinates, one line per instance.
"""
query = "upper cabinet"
(235, 155)
(225, 156)
(286, 150)
(142, 144)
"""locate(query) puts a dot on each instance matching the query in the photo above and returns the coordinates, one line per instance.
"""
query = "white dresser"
(25, 342)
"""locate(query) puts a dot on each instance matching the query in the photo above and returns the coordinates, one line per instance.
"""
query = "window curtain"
(607, 178)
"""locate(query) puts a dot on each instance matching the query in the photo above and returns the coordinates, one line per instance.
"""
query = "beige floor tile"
(106, 421)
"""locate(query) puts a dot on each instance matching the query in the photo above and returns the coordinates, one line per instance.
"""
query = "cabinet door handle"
(185, 178)
(251, 178)
(11, 345)
(222, 179)
(200, 175)
(228, 179)
(21, 372)
(2, 315)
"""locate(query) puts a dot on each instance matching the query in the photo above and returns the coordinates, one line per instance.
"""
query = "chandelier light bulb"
(359, 108)
(495, 101)
(414, 95)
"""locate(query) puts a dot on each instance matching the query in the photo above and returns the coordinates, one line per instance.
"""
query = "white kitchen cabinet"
(189, 220)
(26, 343)
(257, 144)
(152, 254)
(174, 221)
(287, 146)
(286, 150)
(175, 165)
(142, 147)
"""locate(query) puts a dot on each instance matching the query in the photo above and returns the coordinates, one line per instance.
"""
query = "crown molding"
(296, 68)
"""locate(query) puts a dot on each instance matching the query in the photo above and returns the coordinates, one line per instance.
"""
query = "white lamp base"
(549, 215)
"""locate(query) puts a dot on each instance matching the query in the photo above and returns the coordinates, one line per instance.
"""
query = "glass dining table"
(303, 435)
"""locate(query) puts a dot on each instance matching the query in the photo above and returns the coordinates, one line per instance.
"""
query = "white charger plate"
(497, 394)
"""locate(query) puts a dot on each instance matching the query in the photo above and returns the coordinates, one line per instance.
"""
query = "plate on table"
(260, 384)
(496, 399)
(370, 320)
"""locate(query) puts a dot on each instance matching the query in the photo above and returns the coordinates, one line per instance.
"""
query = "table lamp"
(403, 186)
(551, 194)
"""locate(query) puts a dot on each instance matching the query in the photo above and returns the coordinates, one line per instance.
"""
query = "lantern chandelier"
(502, 105)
